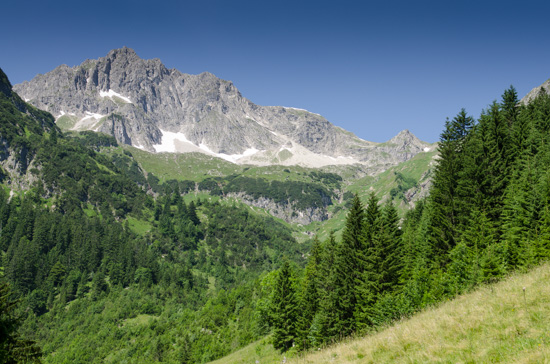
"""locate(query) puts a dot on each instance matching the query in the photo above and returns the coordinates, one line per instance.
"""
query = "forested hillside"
(103, 271)
(488, 214)
(104, 262)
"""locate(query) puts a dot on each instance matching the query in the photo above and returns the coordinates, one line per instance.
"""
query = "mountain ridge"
(536, 91)
(144, 104)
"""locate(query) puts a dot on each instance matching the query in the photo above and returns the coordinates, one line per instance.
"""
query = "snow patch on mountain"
(168, 141)
(112, 94)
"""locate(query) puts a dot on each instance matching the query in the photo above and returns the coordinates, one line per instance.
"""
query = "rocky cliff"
(144, 104)
(545, 87)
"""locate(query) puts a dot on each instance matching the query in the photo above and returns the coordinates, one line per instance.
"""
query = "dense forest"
(97, 269)
(101, 262)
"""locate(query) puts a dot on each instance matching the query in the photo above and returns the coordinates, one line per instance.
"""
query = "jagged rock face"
(545, 87)
(144, 104)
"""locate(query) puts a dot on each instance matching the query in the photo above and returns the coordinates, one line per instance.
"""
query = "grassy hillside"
(502, 323)
(418, 169)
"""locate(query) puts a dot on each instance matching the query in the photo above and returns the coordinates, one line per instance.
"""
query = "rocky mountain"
(146, 105)
(21, 127)
(545, 87)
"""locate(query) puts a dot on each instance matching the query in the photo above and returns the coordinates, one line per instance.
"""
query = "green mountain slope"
(94, 258)
(500, 323)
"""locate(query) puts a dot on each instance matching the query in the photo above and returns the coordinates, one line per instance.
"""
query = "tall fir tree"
(391, 250)
(310, 296)
(285, 305)
(443, 194)
(325, 319)
(349, 266)
(369, 280)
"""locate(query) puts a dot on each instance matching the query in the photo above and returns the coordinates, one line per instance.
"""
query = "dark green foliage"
(13, 347)
(310, 296)
(444, 193)
(349, 267)
(285, 308)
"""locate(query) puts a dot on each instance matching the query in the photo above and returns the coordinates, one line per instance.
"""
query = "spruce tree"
(349, 265)
(519, 217)
(510, 107)
(497, 152)
(14, 348)
(192, 213)
(443, 194)
(284, 309)
(325, 319)
(368, 282)
(391, 262)
(309, 300)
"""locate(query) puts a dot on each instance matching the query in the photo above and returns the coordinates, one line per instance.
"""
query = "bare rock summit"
(144, 104)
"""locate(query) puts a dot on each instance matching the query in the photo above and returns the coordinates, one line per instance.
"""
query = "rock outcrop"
(545, 87)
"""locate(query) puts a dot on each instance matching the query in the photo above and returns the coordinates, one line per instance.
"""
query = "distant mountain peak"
(146, 105)
(404, 135)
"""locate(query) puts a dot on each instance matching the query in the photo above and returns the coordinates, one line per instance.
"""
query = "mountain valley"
(147, 216)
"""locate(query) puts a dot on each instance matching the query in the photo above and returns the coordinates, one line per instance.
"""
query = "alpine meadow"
(151, 216)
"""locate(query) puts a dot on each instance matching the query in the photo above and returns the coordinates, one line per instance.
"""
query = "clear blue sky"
(371, 67)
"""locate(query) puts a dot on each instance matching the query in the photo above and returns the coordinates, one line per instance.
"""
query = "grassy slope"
(381, 184)
(497, 323)
(196, 167)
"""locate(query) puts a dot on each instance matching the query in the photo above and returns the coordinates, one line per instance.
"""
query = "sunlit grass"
(500, 323)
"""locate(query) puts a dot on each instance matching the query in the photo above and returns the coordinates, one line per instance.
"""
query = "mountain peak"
(124, 55)
(145, 105)
(5, 85)
(404, 135)
(124, 50)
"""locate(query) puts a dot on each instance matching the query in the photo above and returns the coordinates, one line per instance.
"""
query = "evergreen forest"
(103, 262)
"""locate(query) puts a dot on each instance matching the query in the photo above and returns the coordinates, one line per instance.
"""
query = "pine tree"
(284, 309)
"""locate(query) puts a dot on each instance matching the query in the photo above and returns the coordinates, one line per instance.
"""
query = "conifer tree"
(411, 225)
(510, 107)
(390, 249)
(368, 283)
(372, 219)
(349, 266)
(192, 213)
(13, 348)
(443, 194)
(325, 319)
(497, 155)
(309, 300)
(519, 218)
(284, 309)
